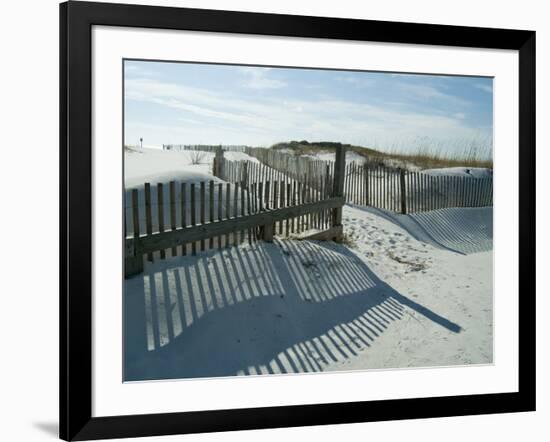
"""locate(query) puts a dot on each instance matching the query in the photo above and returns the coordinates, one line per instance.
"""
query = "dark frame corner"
(76, 21)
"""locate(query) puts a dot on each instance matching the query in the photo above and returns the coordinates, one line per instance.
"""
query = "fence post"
(133, 263)
(338, 187)
(267, 232)
(218, 160)
(403, 190)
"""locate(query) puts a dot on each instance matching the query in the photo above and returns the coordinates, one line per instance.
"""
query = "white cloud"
(205, 116)
(257, 79)
(425, 92)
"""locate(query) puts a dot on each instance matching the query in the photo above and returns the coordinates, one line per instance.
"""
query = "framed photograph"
(273, 220)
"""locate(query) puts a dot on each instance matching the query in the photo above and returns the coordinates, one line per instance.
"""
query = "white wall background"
(29, 192)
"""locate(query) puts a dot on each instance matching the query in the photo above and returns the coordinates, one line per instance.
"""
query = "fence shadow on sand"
(461, 230)
(285, 307)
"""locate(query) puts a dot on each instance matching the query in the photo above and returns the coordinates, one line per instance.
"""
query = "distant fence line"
(203, 147)
(366, 184)
(409, 192)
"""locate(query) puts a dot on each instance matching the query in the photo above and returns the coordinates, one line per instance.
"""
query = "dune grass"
(422, 153)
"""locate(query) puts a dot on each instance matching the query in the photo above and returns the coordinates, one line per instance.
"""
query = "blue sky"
(184, 103)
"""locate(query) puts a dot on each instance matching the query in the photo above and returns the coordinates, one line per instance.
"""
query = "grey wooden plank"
(195, 233)
(211, 209)
(261, 196)
(282, 188)
(202, 209)
(249, 208)
(243, 208)
(235, 211)
(227, 209)
(148, 215)
(193, 209)
(135, 213)
(160, 210)
(172, 187)
(288, 196)
(403, 191)
(183, 213)
(220, 213)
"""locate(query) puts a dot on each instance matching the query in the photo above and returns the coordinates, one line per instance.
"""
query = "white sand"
(155, 165)
(405, 290)
(395, 298)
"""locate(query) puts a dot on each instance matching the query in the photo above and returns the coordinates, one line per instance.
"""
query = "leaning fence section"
(279, 189)
(295, 167)
(317, 178)
(181, 218)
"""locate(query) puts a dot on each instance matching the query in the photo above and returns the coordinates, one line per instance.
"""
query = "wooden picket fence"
(409, 192)
(259, 200)
(281, 189)
(182, 218)
(294, 167)
(313, 179)
(371, 184)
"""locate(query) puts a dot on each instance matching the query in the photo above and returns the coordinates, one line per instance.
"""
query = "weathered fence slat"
(283, 203)
(183, 193)
(288, 196)
(235, 211)
(160, 211)
(172, 185)
(243, 208)
(250, 231)
(193, 215)
(211, 209)
(148, 215)
(403, 191)
(220, 210)
(202, 209)
(260, 196)
(227, 209)
(134, 257)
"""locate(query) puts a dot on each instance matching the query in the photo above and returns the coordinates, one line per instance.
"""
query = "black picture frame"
(76, 21)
